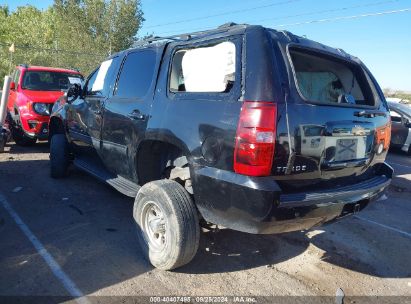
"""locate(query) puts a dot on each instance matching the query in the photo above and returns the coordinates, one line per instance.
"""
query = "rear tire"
(59, 156)
(168, 224)
(22, 139)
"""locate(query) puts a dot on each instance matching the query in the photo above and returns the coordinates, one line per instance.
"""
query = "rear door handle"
(137, 115)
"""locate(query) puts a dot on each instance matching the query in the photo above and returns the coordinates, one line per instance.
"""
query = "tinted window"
(136, 75)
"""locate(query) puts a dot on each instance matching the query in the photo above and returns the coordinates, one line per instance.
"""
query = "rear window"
(328, 80)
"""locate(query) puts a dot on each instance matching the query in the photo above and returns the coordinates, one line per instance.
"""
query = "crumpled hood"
(43, 96)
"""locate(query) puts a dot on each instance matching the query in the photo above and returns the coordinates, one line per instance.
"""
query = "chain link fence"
(83, 61)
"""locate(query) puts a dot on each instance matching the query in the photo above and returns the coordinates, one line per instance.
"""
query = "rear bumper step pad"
(366, 188)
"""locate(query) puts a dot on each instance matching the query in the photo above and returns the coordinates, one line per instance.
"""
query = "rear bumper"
(354, 193)
(257, 205)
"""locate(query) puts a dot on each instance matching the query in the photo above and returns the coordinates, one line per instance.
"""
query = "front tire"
(168, 224)
(59, 156)
(22, 139)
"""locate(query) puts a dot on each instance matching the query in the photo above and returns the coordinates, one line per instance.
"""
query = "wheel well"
(156, 160)
(55, 127)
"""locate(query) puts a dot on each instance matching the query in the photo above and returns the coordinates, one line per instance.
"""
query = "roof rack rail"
(186, 36)
(290, 36)
(344, 53)
(228, 24)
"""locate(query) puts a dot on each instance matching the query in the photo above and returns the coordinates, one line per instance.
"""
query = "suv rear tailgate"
(335, 125)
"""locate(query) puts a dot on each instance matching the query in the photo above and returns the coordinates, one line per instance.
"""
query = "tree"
(31, 29)
(120, 33)
(71, 33)
(4, 36)
(103, 27)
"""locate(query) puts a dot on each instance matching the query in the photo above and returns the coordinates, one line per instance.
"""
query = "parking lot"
(77, 235)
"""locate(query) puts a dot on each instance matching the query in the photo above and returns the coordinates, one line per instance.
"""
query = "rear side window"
(204, 69)
(329, 80)
(137, 74)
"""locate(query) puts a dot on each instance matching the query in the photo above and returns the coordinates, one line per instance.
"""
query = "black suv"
(250, 128)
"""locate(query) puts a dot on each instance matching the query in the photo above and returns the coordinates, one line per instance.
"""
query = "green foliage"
(71, 33)
(402, 95)
(405, 96)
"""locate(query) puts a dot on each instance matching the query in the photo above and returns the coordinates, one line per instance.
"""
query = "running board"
(119, 183)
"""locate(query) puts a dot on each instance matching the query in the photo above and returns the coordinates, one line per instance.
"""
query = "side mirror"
(12, 85)
(73, 92)
(407, 123)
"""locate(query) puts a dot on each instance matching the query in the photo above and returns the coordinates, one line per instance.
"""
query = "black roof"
(192, 35)
(234, 28)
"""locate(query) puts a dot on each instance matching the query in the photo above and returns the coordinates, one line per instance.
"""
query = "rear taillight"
(255, 139)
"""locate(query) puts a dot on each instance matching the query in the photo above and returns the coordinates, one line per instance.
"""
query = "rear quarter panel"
(203, 125)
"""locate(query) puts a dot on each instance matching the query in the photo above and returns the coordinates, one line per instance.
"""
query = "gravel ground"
(87, 228)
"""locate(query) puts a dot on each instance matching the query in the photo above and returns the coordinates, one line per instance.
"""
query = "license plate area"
(346, 149)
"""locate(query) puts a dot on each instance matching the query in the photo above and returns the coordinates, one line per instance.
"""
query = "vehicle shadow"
(228, 251)
(400, 186)
(377, 240)
(39, 147)
(341, 245)
(397, 151)
(365, 243)
(364, 249)
(88, 228)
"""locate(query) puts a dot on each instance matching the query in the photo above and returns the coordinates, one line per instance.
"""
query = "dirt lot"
(86, 228)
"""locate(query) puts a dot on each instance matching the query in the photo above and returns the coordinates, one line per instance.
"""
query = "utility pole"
(12, 49)
(56, 45)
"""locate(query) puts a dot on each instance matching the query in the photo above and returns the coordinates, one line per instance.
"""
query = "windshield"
(49, 81)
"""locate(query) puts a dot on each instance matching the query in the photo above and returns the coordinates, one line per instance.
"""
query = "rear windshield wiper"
(367, 113)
